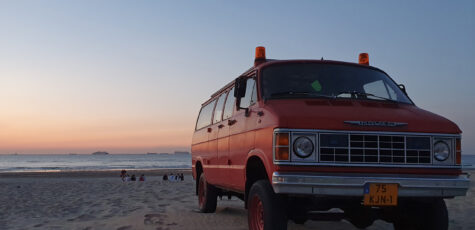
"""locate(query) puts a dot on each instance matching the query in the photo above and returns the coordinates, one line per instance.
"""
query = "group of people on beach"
(166, 177)
(125, 176)
(173, 177)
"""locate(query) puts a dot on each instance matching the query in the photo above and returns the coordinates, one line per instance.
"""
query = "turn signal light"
(281, 146)
(458, 151)
(281, 139)
(363, 59)
(282, 153)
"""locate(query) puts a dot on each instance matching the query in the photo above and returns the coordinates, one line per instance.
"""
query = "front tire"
(266, 209)
(207, 195)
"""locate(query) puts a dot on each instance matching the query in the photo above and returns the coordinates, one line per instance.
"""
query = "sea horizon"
(90, 162)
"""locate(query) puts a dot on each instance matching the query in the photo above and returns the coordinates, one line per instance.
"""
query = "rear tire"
(266, 210)
(431, 215)
(207, 195)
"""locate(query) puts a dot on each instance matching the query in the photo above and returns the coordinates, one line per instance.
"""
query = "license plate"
(377, 194)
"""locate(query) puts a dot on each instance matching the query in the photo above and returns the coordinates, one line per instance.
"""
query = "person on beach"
(133, 178)
(165, 177)
(127, 177)
(142, 177)
(182, 177)
(122, 174)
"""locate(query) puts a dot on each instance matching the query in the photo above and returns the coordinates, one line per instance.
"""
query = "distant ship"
(152, 153)
(100, 153)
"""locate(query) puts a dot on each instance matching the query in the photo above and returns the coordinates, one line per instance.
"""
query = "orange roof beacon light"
(260, 55)
(363, 59)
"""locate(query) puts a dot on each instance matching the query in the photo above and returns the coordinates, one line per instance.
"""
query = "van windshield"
(319, 80)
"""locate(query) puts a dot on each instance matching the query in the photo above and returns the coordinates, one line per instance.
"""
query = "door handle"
(231, 122)
(209, 130)
(220, 126)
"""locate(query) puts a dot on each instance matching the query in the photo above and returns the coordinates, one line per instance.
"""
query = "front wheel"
(266, 209)
(207, 195)
(430, 215)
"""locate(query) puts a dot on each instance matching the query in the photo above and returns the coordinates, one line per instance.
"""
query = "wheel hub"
(257, 213)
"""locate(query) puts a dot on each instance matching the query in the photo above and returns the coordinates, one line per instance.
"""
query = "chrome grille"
(364, 148)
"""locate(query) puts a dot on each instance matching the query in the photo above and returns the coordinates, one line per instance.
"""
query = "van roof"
(269, 62)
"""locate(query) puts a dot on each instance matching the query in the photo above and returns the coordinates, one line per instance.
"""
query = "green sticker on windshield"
(316, 86)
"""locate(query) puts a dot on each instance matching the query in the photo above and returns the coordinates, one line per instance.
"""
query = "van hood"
(357, 115)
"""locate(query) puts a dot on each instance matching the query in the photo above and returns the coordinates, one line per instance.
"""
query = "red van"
(296, 138)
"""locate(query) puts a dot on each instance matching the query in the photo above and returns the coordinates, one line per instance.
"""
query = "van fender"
(255, 177)
(193, 166)
(262, 156)
(196, 160)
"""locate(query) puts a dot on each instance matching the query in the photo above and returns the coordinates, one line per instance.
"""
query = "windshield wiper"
(356, 94)
(292, 93)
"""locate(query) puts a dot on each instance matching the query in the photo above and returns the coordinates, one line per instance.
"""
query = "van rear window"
(204, 119)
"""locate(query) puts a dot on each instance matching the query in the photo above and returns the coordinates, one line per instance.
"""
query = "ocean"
(82, 162)
(44, 163)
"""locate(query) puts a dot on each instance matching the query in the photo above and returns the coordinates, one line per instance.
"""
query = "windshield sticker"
(316, 86)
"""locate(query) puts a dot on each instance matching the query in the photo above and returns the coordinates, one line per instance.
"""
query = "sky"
(130, 76)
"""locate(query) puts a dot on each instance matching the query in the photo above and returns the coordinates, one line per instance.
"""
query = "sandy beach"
(100, 200)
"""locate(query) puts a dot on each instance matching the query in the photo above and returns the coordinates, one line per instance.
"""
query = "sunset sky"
(129, 76)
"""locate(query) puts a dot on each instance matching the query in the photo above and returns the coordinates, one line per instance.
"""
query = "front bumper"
(353, 184)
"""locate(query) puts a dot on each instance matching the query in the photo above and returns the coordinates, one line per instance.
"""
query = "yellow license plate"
(377, 194)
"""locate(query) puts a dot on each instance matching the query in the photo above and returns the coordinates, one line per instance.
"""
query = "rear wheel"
(266, 209)
(430, 215)
(207, 195)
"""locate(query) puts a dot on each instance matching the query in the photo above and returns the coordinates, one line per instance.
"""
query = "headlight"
(441, 151)
(303, 147)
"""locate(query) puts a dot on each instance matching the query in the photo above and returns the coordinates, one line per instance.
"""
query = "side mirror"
(403, 88)
(239, 90)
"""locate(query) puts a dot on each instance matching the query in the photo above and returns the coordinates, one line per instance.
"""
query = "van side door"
(223, 138)
(214, 136)
(242, 135)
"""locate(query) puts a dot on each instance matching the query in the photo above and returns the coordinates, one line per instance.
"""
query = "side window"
(229, 106)
(204, 119)
(218, 111)
(246, 101)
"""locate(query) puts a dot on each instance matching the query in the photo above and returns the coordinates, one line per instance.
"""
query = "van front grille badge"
(376, 123)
